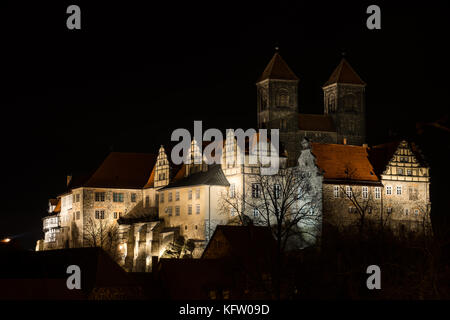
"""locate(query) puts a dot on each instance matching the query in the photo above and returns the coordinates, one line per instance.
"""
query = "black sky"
(135, 72)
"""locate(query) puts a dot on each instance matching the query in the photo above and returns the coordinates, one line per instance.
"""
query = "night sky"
(135, 72)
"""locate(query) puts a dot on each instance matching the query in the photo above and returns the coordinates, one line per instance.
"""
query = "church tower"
(277, 96)
(344, 101)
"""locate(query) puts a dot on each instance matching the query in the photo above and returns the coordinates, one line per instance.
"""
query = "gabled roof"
(344, 162)
(213, 176)
(381, 154)
(123, 170)
(316, 122)
(344, 73)
(277, 69)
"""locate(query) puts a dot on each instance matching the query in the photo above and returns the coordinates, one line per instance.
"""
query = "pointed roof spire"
(277, 69)
(344, 73)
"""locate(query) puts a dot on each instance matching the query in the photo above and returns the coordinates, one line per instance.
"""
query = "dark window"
(117, 197)
(255, 190)
(133, 197)
(100, 196)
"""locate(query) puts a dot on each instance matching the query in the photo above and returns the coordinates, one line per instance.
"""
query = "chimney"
(345, 141)
(69, 179)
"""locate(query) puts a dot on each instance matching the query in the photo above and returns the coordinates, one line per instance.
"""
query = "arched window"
(283, 98)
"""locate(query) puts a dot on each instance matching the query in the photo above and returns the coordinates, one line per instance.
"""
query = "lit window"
(255, 213)
(190, 209)
(255, 190)
(190, 195)
(197, 194)
(133, 197)
(232, 190)
(336, 191)
(232, 212)
(99, 214)
(348, 191)
(416, 211)
(377, 192)
(388, 190)
(197, 209)
(365, 192)
(117, 197)
(177, 195)
(99, 196)
(389, 210)
(399, 190)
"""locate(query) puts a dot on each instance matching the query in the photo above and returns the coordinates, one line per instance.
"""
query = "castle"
(150, 202)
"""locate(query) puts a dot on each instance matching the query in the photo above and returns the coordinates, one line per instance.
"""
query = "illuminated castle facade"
(137, 205)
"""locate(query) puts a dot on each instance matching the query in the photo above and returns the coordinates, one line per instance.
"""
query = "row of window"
(409, 172)
(365, 192)
(349, 192)
(389, 210)
(100, 214)
(117, 197)
(256, 190)
(177, 196)
(169, 210)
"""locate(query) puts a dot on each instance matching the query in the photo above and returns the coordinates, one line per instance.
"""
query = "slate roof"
(344, 162)
(213, 176)
(344, 73)
(316, 122)
(277, 69)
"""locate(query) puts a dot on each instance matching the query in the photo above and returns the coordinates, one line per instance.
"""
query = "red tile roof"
(315, 122)
(58, 206)
(277, 69)
(344, 162)
(344, 73)
(123, 170)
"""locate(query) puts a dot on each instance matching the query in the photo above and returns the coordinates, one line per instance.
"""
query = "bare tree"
(361, 197)
(288, 203)
(102, 234)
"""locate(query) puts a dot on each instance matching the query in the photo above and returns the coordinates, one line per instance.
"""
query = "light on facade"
(6, 240)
